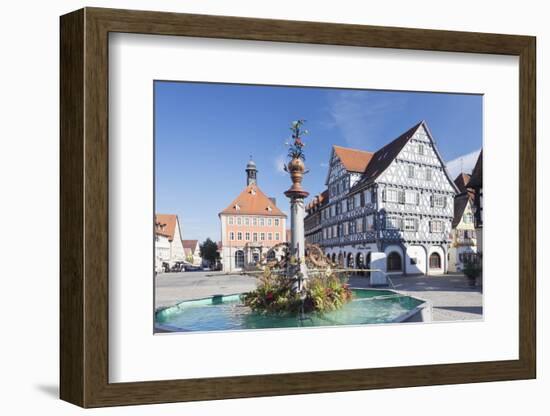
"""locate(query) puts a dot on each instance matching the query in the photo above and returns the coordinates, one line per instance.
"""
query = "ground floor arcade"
(399, 259)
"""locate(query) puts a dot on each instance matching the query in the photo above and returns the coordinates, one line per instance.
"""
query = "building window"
(277, 236)
(410, 171)
(436, 226)
(239, 259)
(439, 201)
(428, 174)
(247, 236)
(269, 222)
(435, 261)
(276, 222)
(255, 236)
(254, 221)
(239, 221)
(370, 222)
(232, 236)
(394, 262)
(262, 236)
(239, 236)
(269, 236)
(368, 196)
(393, 195)
(411, 197)
(230, 220)
(420, 149)
(247, 221)
(410, 224)
(393, 223)
(351, 227)
(359, 225)
(468, 218)
(262, 222)
(345, 228)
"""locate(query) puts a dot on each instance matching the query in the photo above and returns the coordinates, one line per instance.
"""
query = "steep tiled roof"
(461, 201)
(384, 156)
(190, 244)
(165, 224)
(318, 200)
(252, 201)
(476, 181)
(461, 181)
(354, 160)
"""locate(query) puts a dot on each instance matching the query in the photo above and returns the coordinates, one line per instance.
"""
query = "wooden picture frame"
(84, 207)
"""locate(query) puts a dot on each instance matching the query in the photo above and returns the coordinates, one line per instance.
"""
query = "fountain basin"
(221, 313)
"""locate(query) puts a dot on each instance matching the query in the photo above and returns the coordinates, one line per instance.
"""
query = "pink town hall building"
(250, 225)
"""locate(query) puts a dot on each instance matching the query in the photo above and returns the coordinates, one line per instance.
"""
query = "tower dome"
(251, 172)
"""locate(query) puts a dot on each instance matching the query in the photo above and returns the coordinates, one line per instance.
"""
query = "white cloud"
(464, 163)
(359, 116)
(279, 163)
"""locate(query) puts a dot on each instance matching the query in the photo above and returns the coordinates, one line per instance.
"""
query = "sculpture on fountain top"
(296, 166)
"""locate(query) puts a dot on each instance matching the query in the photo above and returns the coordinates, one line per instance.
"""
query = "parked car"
(178, 266)
(191, 268)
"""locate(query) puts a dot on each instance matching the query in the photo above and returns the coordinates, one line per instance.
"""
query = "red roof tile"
(252, 201)
(165, 224)
(190, 244)
(354, 160)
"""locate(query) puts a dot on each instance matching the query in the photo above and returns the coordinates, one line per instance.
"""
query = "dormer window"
(237, 207)
(269, 209)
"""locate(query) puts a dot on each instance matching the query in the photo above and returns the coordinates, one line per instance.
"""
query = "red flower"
(269, 296)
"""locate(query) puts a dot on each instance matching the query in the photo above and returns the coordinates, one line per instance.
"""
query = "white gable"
(336, 169)
(419, 164)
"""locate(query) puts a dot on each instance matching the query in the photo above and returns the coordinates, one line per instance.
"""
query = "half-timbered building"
(396, 202)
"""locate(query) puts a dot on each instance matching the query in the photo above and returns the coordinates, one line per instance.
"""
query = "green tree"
(209, 251)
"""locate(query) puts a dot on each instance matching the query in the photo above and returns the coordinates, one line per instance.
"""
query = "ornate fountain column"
(296, 194)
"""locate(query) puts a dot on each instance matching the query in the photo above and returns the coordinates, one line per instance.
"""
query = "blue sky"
(205, 134)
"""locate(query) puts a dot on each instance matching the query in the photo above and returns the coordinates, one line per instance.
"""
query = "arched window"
(359, 261)
(334, 257)
(255, 257)
(239, 259)
(435, 261)
(350, 261)
(394, 262)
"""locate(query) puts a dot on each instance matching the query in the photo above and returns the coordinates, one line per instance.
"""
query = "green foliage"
(209, 251)
(472, 270)
(275, 294)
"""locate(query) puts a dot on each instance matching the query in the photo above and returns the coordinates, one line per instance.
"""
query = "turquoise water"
(227, 313)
